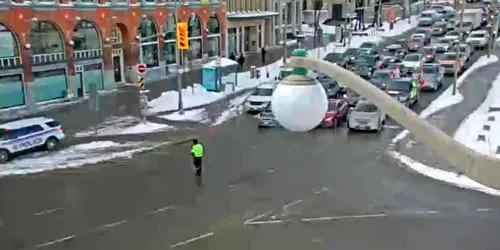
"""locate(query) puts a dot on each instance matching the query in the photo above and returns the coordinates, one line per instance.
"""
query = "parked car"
(393, 47)
(370, 47)
(429, 54)
(478, 39)
(405, 90)
(331, 86)
(416, 43)
(413, 61)
(350, 55)
(447, 13)
(467, 27)
(465, 49)
(260, 98)
(25, 135)
(431, 76)
(439, 28)
(337, 58)
(423, 32)
(400, 54)
(430, 15)
(443, 45)
(266, 118)
(366, 116)
(352, 97)
(449, 61)
(335, 114)
(380, 77)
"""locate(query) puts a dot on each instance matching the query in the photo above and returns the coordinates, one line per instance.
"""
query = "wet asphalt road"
(275, 177)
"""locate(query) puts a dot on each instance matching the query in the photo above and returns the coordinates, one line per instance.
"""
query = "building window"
(259, 34)
(213, 42)
(88, 1)
(45, 38)
(149, 43)
(194, 32)
(149, 1)
(169, 49)
(116, 35)
(8, 43)
(231, 34)
(85, 36)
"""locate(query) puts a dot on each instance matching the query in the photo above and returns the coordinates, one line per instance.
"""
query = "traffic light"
(182, 36)
(140, 82)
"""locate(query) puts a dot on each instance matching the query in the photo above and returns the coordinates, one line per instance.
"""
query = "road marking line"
(263, 222)
(291, 204)
(363, 216)
(113, 224)
(483, 209)
(50, 243)
(322, 190)
(159, 210)
(260, 216)
(192, 240)
(48, 211)
(432, 212)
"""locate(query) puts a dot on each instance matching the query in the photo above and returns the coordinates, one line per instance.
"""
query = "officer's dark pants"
(197, 164)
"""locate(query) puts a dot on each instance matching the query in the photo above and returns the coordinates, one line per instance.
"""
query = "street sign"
(141, 68)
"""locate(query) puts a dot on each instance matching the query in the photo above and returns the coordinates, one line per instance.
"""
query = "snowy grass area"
(472, 126)
(75, 156)
(123, 125)
(455, 179)
(446, 98)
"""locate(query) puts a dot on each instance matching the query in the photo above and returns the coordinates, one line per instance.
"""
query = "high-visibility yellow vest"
(197, 150)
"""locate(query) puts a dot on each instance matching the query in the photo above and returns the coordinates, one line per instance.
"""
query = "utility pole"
(455, 75)
(409, 11)
(318, 4)
(180, 61)
(284, 22)
(462, 8)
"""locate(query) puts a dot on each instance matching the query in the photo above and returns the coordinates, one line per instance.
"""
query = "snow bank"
(455, 179)
(224, 62)
(472, 126)
(191, 97)
(123, 125)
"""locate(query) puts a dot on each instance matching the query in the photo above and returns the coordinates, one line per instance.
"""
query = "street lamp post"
(462, 8)
(318, 4)
(455, 71)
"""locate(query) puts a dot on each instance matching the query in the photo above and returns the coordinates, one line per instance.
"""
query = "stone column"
(70, 59)
(237, 39)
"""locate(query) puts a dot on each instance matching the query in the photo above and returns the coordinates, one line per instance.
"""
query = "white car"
(412, 62)
(27, 134)
(366, 116)
(430, 14)
(478, 39)
(443, 45)
(260, 98)
(452, 35)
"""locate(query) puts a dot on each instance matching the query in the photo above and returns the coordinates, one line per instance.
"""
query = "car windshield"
(332, 106)
(333, 57)
(412, 58)
(426, 15)
(263, 92)
(416, 40)
(476, 35)
(351, 52)
(452, 33)
(463, 48)
(442, 41)
(398, 85)
(424, 24)
(437, 7)
(381, 74)
(449, 56)
(367, 45)
(365, 107)
(467, 24)
(420, 31)
(430, 70)
(440, 25)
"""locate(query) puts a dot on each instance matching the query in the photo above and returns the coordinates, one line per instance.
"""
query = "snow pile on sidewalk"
(123, 125)
(75, 156)
(472, 127)
(446, 99)
(191, 97)
(399, 28)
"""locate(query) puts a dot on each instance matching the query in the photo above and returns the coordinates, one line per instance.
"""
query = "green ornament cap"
(299, 53)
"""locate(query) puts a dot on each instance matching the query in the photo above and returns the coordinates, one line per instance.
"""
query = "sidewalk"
(474, 90)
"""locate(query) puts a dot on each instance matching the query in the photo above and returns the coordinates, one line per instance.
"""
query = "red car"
(336, 113)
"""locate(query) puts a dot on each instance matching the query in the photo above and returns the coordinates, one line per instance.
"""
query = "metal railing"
(41, 59)
(10, 62)
(89, 54)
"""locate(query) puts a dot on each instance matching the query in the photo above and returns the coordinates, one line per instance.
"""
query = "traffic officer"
(197, 153)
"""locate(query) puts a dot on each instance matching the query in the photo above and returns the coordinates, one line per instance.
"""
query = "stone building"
(49, 48)
(255, 23)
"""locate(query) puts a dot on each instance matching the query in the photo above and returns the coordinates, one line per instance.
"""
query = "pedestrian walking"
(241, 61)
(232, 57)
(197, 153)
(263, 54)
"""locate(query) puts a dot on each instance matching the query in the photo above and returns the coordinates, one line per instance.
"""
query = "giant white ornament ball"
(299, 108)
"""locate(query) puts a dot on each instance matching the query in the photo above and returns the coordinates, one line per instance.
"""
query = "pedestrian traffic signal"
(182, 36)
(140, 82)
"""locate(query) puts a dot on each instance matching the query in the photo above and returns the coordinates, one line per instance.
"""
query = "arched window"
(87, 44)
(11, 86)
(194, 33)
(169, 45)
(213, 41)
(46, 38)
(149, 43)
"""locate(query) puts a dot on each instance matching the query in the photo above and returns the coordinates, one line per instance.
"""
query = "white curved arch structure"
(482, 168)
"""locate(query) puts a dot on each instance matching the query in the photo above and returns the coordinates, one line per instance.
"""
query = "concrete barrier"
(482, 168)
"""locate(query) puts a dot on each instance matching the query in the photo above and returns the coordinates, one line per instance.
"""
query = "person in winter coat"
(263, 53)
(241, 61)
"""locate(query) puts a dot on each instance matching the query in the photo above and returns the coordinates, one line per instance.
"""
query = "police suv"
(27, 134)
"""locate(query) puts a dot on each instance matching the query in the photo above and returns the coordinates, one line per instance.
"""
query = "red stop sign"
(141, 68)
